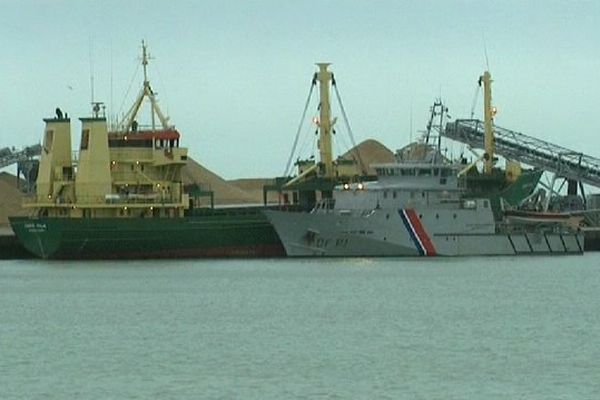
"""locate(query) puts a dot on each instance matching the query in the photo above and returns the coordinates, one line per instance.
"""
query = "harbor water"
(460, 328)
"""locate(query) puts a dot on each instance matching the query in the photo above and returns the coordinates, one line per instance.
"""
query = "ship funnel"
(55, 159)
(93, 181)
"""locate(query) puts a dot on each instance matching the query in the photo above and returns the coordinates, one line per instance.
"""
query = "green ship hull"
(216, 233)
(498, 190)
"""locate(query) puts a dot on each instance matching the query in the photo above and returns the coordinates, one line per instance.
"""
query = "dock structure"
(27, 160)
(10, 156)
(565, 163)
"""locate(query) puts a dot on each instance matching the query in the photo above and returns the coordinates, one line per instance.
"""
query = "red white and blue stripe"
(415, 229)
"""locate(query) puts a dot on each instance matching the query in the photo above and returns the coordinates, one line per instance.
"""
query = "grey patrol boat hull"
(408, 232)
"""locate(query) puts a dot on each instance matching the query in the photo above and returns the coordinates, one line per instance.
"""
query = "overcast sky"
(234, 75)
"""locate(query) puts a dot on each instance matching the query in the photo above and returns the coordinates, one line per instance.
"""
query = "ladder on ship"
(537, 153)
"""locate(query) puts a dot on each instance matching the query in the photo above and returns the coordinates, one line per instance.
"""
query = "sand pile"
(225, 193)
(10, 198)
(250, 190)
(254, 188)
(370, 152)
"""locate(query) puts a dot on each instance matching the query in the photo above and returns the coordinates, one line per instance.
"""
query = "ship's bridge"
(155, 147)
(403, 185)
(166, 138)
(418, 175)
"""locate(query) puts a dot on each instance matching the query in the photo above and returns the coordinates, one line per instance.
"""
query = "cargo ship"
(123, 196)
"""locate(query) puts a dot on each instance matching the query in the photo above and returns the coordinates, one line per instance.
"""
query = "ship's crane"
(129, 121)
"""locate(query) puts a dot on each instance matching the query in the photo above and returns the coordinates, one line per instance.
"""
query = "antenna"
(485, 53)
(410, 132)
(110, 108)
(91, 69)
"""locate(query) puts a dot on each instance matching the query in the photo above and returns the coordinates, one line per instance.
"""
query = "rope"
(129, 88)
(162, 86)
(308, 143)
(289, 162)
(360, 161)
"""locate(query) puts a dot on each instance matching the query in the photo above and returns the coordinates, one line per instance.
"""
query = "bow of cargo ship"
(37, 235)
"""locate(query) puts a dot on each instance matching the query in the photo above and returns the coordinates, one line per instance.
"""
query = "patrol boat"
(416, 209)
(422, 207)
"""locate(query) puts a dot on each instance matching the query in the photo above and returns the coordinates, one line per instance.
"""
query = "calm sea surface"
(467, 328)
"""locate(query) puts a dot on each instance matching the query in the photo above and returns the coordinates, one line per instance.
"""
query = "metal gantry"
(10, 156)
(537, 153)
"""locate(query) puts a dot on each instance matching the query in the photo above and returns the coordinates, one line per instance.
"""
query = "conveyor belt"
(529, 150)
(9, 157)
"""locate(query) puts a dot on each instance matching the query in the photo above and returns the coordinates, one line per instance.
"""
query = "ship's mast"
(325, 124)
(145, 92)
(488, 118)
(147, 88)
(145, 63)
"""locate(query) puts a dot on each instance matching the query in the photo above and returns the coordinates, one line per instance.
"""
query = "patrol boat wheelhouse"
(415, 209)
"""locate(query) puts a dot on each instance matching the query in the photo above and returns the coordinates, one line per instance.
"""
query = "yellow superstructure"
(93, 180)
(488, 119)
(56, 165)
(125, 173)
(325, 123)
(326, 167)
